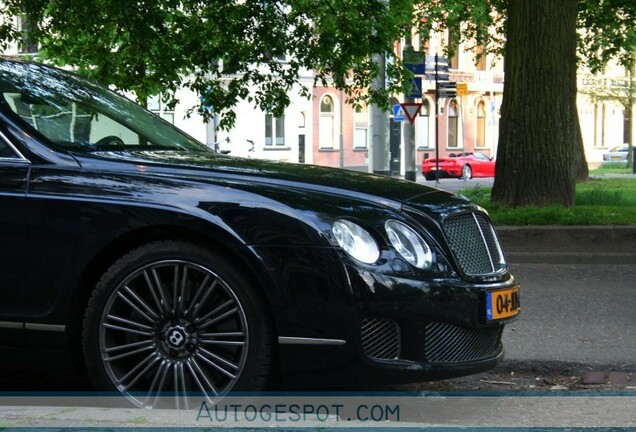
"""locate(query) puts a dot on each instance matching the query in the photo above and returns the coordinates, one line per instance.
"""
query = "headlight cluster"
(409, 244)
(356, 241)
(360, 244)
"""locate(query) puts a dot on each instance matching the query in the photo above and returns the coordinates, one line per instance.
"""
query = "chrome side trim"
(11, 325)
(20, 157)
(285, 340)
(45, 327)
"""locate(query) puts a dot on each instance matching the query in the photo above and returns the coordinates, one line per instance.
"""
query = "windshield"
(75, 114)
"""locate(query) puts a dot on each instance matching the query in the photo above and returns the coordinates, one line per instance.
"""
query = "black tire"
(179, 319)
(467, 172)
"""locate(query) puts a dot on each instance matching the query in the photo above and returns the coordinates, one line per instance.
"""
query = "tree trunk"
(539, 137)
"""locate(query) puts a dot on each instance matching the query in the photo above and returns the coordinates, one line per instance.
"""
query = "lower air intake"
(380, 338)
(448, 343)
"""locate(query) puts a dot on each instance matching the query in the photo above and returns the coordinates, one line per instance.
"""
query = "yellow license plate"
(502, 304)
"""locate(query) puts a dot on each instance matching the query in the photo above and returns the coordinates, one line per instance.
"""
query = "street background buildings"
(327, 130)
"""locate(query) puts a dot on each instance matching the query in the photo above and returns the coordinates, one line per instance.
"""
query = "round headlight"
(409, 244)
(356, 241)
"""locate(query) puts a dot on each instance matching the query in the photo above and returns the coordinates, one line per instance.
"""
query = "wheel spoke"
(127, 346)
(127, 330)
(184, 285)
(221, 342)
(154, 314)
(196, 307)
(209, 357)
(206, 322)
(158, 381)
(154, 285)
(129, 353)
(197, 372)
(148, 362)
(197, 294)
(179, 386)
(175, 289)
(135, 307)
(222, 334)
(129, 322)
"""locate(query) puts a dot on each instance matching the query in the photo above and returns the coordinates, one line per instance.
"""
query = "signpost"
(446, 89)
(414, 62)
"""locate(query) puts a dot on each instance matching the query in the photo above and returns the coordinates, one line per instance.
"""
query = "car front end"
(419, 294)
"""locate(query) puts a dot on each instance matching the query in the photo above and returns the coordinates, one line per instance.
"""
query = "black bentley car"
(170, 269)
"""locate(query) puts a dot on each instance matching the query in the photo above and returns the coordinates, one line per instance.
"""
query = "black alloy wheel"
(171, 323)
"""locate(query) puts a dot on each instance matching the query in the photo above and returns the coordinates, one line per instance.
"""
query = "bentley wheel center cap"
(177, 337)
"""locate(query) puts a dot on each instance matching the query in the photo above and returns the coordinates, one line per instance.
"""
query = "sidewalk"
(569, 244)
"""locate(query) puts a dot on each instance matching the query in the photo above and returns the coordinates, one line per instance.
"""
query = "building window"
(480, 139)
(27, 43)
(453, 114)
(423, 126)
(157, 106)
(361, 133)
(274, 130)
(327, 123)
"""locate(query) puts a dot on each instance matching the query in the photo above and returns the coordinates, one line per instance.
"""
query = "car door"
(483, 165)
(14, 170)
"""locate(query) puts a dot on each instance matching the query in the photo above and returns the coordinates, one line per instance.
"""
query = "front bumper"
(396, 329)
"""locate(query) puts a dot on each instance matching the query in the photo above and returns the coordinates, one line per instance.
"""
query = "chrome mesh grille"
(472, 239)
(381, 338)
(449, 343)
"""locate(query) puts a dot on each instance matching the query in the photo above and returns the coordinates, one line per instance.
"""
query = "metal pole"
(436, 127)
(341, 137)
(408, 128)
(379, 155)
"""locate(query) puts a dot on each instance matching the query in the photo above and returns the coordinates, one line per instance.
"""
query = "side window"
(68, 123)
(6, 152)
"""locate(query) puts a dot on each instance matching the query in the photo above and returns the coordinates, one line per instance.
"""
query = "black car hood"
(389, 191)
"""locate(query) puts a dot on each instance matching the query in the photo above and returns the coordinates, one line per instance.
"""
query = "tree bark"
(540, 137)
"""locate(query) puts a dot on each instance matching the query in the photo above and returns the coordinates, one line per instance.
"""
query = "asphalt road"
(575, 313)
(453, 184)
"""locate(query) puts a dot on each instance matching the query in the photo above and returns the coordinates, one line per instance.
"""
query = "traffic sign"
(414, 62)
(447, 85)
(398, 113)
(441, 94)
(443, 76)
(415, 88)
(411, 110)
(462, 89)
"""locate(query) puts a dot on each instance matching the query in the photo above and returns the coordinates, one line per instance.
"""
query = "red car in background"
(462, 165)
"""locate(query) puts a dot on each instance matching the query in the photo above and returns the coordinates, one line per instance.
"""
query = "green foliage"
(229, 50)
(607, 201)
(225, 50)
(608, 32)
(478, 23)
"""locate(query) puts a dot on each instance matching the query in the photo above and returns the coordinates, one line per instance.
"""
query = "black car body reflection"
(172, 269)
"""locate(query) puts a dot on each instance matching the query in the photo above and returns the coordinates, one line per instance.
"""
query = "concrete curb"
(569, 244)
